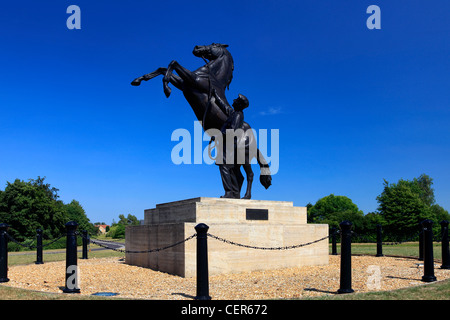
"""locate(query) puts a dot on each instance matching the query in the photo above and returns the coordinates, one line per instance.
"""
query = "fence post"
(445, 245)
(39, 246)
(85, 245)
(71, 285)
(202, 262)
(333, 241)
(379, 241)
(346, 257)
(3, 253)
(421, 241)
(428, 262)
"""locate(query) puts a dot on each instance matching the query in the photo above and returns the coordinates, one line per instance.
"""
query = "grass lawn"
(27, 257)
(9, 293)
(406, 249)
(439, 290)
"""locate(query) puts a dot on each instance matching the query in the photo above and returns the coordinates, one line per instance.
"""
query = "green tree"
(422, 186)
(440, 213)
(335, 209)
(117, 229)
(403, 205)
(129, 220)
(26, 206)
(75, 212)
(371, 220)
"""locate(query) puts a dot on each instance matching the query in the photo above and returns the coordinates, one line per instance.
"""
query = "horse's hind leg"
(149, 76)
(249, 173)
(173, 78)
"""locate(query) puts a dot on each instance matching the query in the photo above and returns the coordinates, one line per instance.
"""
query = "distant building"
(102, 228)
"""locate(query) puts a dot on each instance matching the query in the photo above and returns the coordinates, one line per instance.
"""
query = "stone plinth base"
(250, 222)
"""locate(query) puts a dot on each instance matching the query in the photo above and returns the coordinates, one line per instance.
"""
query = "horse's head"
(221, 62)
(211, 52)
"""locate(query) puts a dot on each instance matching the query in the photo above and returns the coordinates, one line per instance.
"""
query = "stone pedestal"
(250, 222)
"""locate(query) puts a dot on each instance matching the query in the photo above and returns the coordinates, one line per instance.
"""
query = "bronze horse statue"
(197, 87)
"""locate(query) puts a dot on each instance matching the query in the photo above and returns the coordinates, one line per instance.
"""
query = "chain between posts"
(33, 247)
(209, 235)
(362, 237)
(214, 237)
(143, 251)
(436, 238)
(265, 248)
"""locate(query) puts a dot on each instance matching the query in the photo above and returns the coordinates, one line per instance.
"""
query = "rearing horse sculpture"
(197, 87)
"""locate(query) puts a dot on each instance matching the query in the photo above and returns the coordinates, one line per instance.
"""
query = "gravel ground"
(112, 275)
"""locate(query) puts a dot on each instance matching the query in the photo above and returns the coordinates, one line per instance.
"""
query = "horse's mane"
(226, 53)
(232, 66)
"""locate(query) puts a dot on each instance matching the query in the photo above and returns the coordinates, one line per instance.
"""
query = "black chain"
(361, 237)
(438, 237)
(36, 246)
(265, 248)
(400, 242)
(95, 241)
(144, 251)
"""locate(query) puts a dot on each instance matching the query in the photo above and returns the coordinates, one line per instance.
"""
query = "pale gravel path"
(112, 275)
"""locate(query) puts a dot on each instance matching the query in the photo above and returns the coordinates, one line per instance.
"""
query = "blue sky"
(353, 106)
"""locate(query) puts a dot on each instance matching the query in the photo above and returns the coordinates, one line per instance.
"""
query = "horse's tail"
(265, 177)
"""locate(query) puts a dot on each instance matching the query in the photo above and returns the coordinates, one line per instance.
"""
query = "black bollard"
(379, 241)
(346, 257)
(333, 241)
(85, 245)
(39, 246)
(71, 285)
(428, 262)
(445, 245)
(202, 262)
(3, 252)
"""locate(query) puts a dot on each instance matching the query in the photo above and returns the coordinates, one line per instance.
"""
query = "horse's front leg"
(148, 76)
(184, 74)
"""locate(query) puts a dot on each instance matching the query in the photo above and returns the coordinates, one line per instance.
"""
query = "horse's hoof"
(135, 82)
(167, 92)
